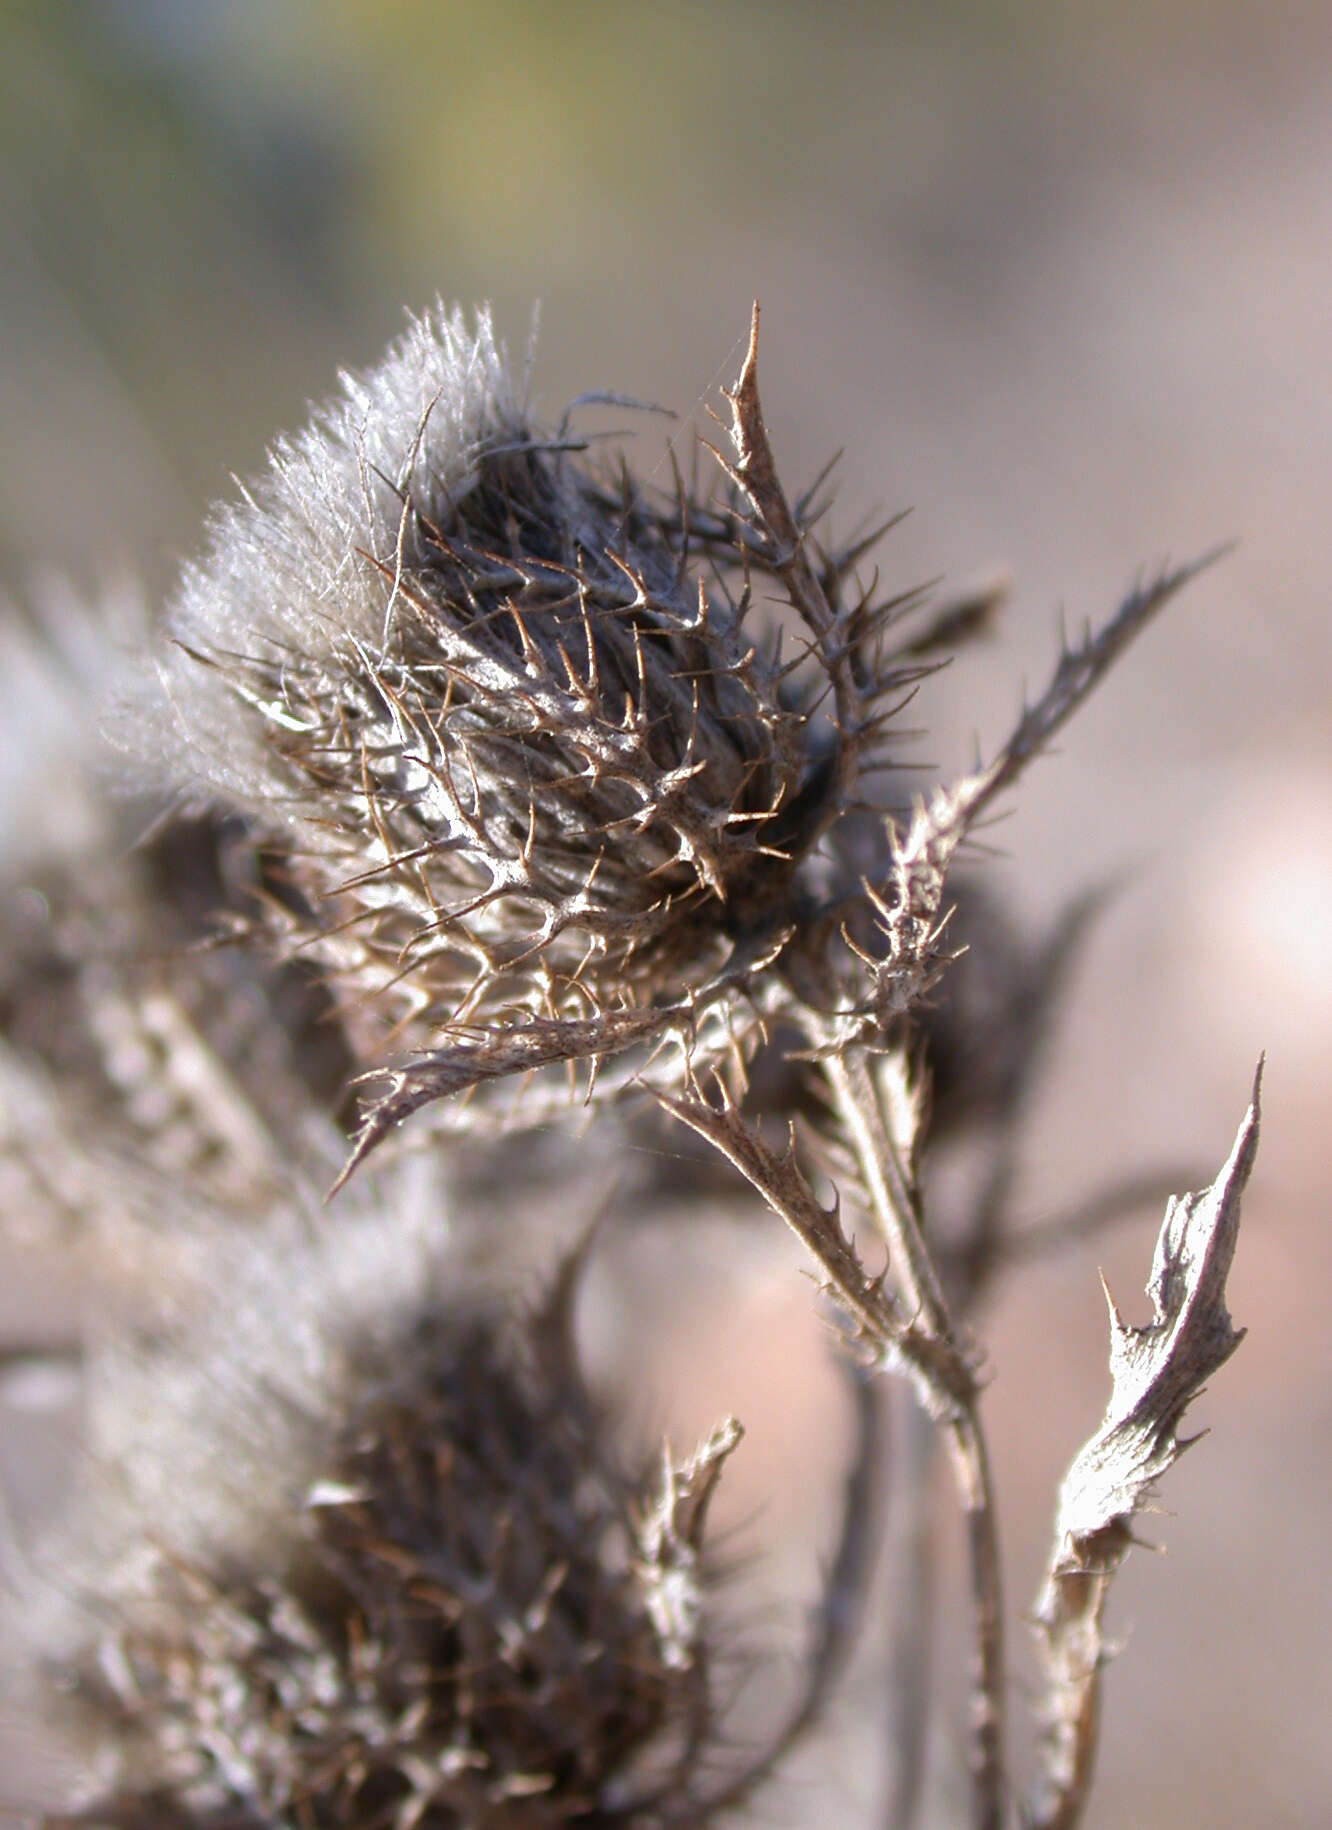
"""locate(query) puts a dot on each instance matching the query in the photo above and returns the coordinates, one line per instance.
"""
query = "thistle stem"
(946, 1386)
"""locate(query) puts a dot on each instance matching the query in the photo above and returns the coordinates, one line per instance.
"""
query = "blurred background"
(1058, 279)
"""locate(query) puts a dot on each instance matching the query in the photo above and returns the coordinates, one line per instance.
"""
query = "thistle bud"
(527, 765)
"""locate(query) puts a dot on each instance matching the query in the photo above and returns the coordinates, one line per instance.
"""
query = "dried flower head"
(526, 760)
(139, 1038)
(544, 799)
(399, 1574)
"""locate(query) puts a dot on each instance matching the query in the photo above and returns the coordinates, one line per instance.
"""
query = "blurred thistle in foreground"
(529, 790)
(396, 1568)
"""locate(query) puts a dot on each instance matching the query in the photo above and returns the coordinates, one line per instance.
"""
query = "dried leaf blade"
(1156, 1372)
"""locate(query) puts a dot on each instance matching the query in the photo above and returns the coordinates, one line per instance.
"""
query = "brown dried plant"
(387, 1565)
(545, 777)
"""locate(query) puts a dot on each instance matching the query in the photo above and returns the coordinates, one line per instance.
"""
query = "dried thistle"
(388, 1568)
(149, 1041)
(512, 753)
(541, 800)
(536, 778)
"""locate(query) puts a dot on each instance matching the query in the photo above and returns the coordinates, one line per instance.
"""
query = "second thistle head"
(524, 760)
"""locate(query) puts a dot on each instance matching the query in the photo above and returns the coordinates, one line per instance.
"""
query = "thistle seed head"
(525, 759)
(441, 1598)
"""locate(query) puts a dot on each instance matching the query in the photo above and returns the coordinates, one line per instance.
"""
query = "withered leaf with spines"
(1156, 1371)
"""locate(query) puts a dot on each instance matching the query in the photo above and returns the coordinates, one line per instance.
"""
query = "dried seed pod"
(526, 765)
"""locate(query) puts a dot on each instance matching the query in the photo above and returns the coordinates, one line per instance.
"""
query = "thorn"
(1117, 1322)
